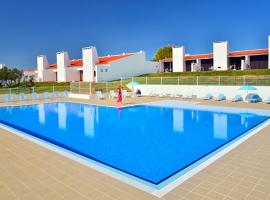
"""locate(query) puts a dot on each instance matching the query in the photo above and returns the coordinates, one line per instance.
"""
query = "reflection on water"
(220, 126)
(41, 114)
(89, 121)
(62, 116)
(178, 120)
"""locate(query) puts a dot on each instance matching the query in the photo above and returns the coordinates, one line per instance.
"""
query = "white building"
(92, 68)
(220, 59)
(2, 65)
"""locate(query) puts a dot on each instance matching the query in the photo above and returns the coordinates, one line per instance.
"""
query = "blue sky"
(32, 27)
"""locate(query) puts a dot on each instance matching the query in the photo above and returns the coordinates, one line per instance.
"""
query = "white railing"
(105, 87)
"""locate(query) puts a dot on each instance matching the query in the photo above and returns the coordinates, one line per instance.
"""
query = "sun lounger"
(253, 98)
(112, 94)
(22, 97)
(220, 97)
(207, 97)
(267, 101)
(99, 95)
(187, 96)
(237, 98)
(34, 96)
(126, 94)
(65, 93)
(46, 95)
(175, 95)
(55, 94)
(162, 95)
(153, 94)
(8, 97)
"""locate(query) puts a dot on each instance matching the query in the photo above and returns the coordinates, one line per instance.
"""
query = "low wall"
(201, 90)
(79, 96)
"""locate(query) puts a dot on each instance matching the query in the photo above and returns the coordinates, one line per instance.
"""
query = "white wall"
(90, 59)
(179, 63)
(201, 90)
(72, 74)
(62, 63)
(133, 65)
(44, 74)
(269, 52)
(42, 64)
(49, 75)
(220, 50)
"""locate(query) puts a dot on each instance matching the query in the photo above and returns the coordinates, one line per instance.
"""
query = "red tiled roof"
(249, 52)
(108, 59)
(166, 60)
(234, 53)
(30, 70)
(102, 60)
(191, 57)
(199, 56)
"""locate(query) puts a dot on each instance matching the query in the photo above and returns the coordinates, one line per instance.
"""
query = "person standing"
(119, 98)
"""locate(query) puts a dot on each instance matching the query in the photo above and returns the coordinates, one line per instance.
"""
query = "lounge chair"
(237, 98)
(8, 97)
(153, 94)
(207, 97)
(187, 96)
(220, 97)
(65, 93)
(55, 94)
(112, 94)
(175, 95)
(46, 95)
(162, 95)
(267, 101)
(253, 98)
(99, 95)
(126, 94)
(34, 96)
(22, 97)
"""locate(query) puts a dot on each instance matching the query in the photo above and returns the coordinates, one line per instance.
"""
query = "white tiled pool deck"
(30, 171)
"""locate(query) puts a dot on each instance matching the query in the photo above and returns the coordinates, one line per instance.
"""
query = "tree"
(163, 52)
(8, 77)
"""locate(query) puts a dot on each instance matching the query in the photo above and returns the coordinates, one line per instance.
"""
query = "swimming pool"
(152, 142)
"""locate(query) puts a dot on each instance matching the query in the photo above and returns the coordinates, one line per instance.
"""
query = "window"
(106, 70)
(101, 70)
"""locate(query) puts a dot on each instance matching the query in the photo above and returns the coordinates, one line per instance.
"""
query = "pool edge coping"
(158, 192)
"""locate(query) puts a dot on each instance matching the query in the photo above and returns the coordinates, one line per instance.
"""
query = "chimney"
(62, 63)
(90, 59)
(220, 51)
(179, 63)
(42, 64)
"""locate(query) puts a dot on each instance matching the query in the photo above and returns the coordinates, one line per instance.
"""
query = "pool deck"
(30, 171)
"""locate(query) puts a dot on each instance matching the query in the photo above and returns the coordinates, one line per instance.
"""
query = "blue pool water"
(149, 142)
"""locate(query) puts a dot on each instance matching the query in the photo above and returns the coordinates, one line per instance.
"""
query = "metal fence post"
(160, 80)
(146, 80)
(33, 89)
(197, 80)
(244, 80)
(90, 89)
(218, 80)
(178, 80)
